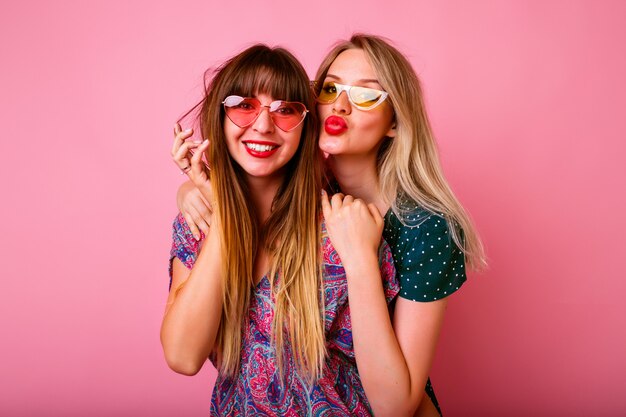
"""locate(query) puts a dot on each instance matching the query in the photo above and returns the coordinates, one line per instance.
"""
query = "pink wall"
(527, 100)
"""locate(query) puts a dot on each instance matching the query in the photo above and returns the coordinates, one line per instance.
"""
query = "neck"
(262, 193)
(358, 177)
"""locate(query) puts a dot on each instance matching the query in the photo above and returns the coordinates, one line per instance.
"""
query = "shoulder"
(429, 264)
(415, 223)
(184, 245)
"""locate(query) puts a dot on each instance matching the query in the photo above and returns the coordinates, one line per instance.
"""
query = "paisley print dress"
(257, 390)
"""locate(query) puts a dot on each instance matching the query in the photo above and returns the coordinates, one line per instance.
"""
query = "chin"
(331, 147)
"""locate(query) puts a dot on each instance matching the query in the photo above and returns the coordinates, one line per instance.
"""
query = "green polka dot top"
(429, 265)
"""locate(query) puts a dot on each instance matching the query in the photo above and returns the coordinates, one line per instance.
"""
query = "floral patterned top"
(257, 389)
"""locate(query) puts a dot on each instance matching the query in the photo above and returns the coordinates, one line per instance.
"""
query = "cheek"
(379, 123)
(232, 134)
(323, 110)
(294, 139)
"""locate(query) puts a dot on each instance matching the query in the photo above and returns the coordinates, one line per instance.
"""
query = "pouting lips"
(335, 125)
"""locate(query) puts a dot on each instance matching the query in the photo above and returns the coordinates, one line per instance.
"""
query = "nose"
(264, 122)
(342, 104)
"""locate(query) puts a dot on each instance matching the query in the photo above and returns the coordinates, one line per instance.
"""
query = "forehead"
(269, 81)
(352, 65)
(265, 97)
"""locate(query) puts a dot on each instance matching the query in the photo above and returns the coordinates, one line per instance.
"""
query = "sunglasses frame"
(269, 107)
(347, 88)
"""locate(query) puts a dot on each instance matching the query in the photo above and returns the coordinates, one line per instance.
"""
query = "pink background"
(527, 99)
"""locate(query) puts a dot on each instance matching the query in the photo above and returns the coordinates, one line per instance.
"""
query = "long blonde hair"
(291, 234)
(408, 164)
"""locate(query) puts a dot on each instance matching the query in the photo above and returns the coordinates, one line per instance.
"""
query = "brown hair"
(291, 233)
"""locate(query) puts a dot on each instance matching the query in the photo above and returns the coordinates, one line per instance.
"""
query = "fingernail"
(187, 130)
(196, 237)
(205, 141)
(197, 141)
(323, 192)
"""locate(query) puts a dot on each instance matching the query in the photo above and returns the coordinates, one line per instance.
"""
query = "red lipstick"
(335, 125)
(260, 149)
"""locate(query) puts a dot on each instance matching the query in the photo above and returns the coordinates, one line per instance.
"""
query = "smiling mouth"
(261, 150)
(257, 147)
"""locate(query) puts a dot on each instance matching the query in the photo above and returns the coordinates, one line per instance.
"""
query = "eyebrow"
(362, 80)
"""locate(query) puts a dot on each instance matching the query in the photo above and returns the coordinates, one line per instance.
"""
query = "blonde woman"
(262, 293)
(381, 152)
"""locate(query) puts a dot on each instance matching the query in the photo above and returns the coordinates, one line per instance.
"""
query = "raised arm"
(194, 305)
(194, 197)
(393, 358)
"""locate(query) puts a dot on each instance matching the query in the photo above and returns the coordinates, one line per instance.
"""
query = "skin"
(394, 357)
(192, 316)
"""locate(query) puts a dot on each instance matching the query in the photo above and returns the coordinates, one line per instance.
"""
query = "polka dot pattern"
(430, 266)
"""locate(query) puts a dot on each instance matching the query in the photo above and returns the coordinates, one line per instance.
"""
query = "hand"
(195, 208)
(354, 228)
(189, 162)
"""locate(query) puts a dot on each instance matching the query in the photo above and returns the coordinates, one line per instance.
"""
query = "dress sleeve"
(429, 264)
(184, 246)
(387, 271)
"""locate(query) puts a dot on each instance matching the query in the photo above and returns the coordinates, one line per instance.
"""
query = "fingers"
(183, 156)
(376, 214)
(326, 209)
(203, 225)
(182, 148)
(197, 222)
(206, 209)
(192, 225)
(336, 201)
(197, 164)
(201, 211)
(205, 214)
(180, 137)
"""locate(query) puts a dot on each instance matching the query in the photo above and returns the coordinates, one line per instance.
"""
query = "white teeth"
(259, 148)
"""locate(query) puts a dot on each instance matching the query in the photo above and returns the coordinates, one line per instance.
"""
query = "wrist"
(362, 263)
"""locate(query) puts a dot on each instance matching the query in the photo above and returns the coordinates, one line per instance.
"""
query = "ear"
(391, 133)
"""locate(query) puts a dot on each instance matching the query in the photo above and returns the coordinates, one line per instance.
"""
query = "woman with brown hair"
(262, 294)
(382, 153)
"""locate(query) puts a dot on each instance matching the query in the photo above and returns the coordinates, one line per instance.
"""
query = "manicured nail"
(188, 130)
(196, 237)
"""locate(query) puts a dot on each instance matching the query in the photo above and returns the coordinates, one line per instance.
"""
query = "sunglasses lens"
(362, 97)
(287, 115)
(328, 94)
(365, 97)
(241, 111)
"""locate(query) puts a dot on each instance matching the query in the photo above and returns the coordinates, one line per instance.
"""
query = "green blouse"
(430, 266)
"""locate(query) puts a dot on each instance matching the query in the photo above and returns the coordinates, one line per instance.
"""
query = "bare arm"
(192, 316)
(194, 305)
(394, 359)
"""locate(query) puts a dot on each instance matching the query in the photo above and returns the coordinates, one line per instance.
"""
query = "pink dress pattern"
(257, 390)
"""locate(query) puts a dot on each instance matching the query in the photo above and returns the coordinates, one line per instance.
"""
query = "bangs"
(273, 73)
